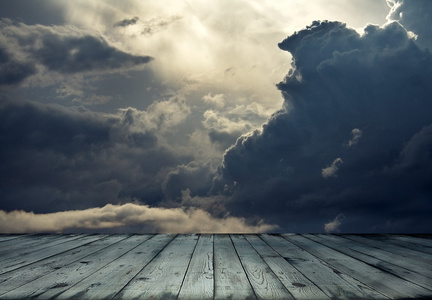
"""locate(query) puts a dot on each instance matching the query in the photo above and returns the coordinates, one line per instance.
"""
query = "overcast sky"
(215, 116)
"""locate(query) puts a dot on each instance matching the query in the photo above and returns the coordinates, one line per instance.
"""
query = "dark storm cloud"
(415, 16)
(57, 158)
(353, 137)
(195, 177)
(222, 138)
(126, 22)
(62, 49)
(80, 54)
(13, 71)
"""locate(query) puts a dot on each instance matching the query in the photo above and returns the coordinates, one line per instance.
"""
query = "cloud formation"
(331, 170)
(153, 219)
(86, 121)
(334, 225)
(414, 16)
(376, 83)
(356, 134)
(68, 50)
(49, 150)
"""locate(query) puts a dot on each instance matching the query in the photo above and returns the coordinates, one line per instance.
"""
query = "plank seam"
(187, 268)
(329, 264)
(329, 296)
(107, 263)
(374, 266)
(36, 261)
(143, 266)
(269, 267)
(214, 267)
(243, 267)
(69, 263)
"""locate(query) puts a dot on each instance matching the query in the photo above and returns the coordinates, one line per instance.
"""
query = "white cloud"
(217, 100)
(161, 115)
(164, 220)
(356, 134)
(216, 120)
(332, 170)
(334, 225)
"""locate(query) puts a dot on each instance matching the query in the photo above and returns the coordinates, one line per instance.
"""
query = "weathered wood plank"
(386, 238)
(400, 256)
(388, 284)
(113, 277)
(163, 276)
(368, 257)
(215, 266)
(26, 242)
(264, 282)
(229, 276)
(54, 283)
(198, 282)
(32, 257)
(7, 237)
(16, 278)
(295, 282)
(31, 249)
(330, 280)
(416, 240)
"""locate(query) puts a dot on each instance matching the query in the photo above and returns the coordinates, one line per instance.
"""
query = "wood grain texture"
(54, 283)
(198, 282)
(264, 282)
(366, 275)
(231, 281)
(16, 278)
(113, 277)
(215, 266)
(294, 281)
(163, 276)
(368, 256)
(329, 279)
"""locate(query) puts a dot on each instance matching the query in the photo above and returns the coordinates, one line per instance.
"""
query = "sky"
(216, 116)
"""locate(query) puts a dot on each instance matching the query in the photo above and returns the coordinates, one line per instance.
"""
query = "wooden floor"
(169, 266)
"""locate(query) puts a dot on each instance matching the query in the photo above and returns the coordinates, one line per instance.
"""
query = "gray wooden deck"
(215, 266)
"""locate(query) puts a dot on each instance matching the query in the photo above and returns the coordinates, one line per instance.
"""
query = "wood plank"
(54, 283)
(264, 282)
(31, 249)
(12, 246)
(198, 282)
(394, 249)
(368, 257)
(14, 279)
(7, 237)
(310, 266)
(426, 242)
(400, 256)
(294, 281)
(112, 278)
(387, 238)
(230, 279)
(163, 276)
(32, 257)
(330, 280)
(388, 284)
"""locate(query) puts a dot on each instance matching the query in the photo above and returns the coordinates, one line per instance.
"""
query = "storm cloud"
(94, 137)
(361, 99)
(61, 49)
(49, 150)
